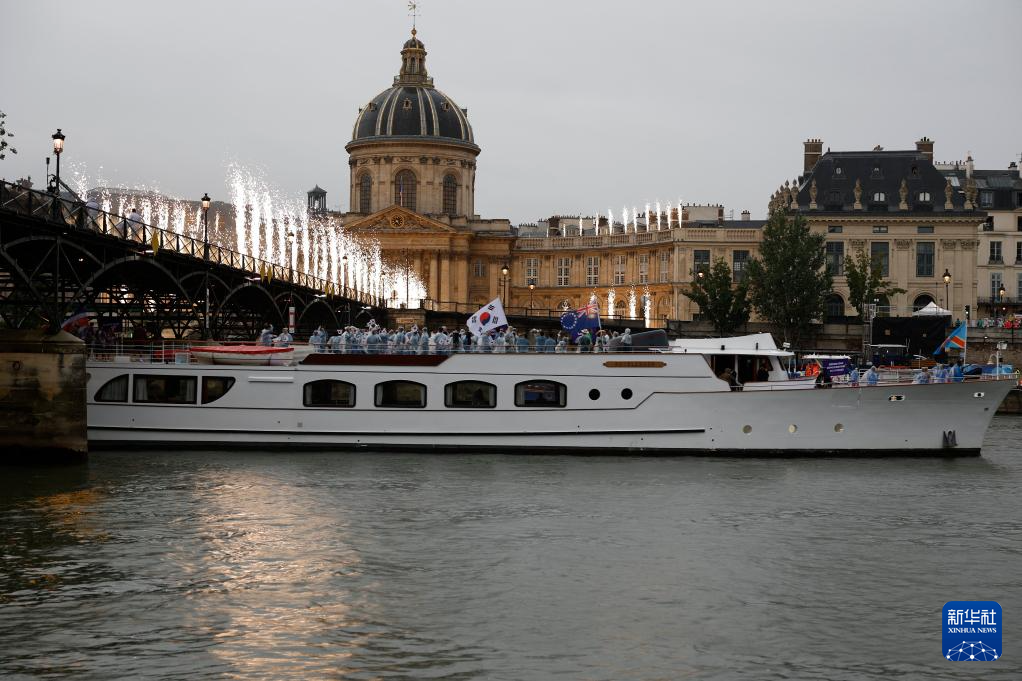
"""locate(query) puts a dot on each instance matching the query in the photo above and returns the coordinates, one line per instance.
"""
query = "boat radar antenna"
(413, 12)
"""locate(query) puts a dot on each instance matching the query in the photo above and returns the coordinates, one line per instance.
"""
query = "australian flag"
(577, 321)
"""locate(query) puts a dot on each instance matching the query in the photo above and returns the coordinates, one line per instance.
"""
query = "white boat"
(666, 401)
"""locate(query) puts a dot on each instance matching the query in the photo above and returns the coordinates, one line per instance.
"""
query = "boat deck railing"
(180, 352)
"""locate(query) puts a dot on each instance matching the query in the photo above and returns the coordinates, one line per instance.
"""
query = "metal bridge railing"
(150, 240)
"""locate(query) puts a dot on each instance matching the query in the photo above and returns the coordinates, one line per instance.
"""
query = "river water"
(360, 566)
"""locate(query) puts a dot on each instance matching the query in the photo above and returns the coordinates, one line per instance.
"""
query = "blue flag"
(955, 340)
(577, 321)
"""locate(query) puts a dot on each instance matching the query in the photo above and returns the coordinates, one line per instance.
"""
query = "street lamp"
(1004, 310)
(344, 273)
(504, 281)
(58, 148)
(947, 283)
(205, 258)
(532, 287)
(291, 280)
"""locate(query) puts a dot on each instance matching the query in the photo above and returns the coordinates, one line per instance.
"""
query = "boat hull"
(677, 408)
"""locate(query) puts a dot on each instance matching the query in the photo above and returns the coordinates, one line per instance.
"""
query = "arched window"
(540, 393)
(404, 189)
(883, 304)
(921, 301)
(401, 394)
(365, 193)
(450, 195)
(328, 393)
(470, 394)
(835, 308)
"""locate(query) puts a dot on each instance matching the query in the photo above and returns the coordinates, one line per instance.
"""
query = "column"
(445, 278)
(434, 276)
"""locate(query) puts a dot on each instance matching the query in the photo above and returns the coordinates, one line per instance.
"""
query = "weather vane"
(413, 12)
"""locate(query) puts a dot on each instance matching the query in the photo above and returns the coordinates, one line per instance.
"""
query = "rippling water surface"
(304, 566)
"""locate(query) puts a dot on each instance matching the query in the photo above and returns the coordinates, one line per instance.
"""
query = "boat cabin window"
(114, 390)
(540, 394)
(470, 394)
(215, 387)
(158, 389)
(401, 394)
(328, 394)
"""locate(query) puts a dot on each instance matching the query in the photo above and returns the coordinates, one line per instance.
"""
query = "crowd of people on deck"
(374, 339)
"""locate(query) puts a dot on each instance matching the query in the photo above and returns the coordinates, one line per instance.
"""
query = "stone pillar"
(445, 278)
(42, 397)
(434, 276)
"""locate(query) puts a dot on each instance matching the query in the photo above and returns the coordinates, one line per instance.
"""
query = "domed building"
(412, 160)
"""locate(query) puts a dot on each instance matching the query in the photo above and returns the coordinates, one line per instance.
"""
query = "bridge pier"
(42, 397)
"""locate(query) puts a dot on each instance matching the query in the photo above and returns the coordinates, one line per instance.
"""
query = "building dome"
(412, 109)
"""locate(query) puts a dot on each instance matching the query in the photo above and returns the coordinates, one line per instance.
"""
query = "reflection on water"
(200, 565)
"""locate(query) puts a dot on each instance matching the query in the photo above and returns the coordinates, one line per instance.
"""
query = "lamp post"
(532, 287)
(291, 280)
(504, 281)
(58, 149)
(947, 283)
(1004, 310)
(205, 259)
(344, 273)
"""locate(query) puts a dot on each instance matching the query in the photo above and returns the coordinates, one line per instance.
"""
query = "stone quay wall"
(42, 397)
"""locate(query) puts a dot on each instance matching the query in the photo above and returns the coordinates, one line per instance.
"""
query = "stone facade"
(898, 207)
(999, 235)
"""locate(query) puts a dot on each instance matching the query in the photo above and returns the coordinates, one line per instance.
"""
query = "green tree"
(789, 282)
(866, 282)
(724, 305)
(4, 146)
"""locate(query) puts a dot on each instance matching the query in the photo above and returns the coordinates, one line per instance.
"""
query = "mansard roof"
(880, 175)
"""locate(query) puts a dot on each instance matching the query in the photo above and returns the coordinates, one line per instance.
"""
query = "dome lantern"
(413, 64)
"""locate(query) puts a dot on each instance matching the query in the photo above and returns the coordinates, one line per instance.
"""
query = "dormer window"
(924, 197)
(372, 106)
(879, 197)
(915, 170)
(837, 170)
(876, 174)
(407, 105)
(445, 106)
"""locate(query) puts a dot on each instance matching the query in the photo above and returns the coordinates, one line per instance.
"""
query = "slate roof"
(878, 172)
(413, 109)
(1005, 185)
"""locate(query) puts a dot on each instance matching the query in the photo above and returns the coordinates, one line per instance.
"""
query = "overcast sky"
(578, 106)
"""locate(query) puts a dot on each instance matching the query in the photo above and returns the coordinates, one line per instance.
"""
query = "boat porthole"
(626, 394)
(793, 428)
(980, 395)
(896, 398)
(839, 428)
(594, 394)
(746, 429)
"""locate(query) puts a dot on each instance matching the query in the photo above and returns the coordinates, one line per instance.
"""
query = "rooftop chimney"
(813, 152)
(746, 216)
(924, 146)
(969, 165)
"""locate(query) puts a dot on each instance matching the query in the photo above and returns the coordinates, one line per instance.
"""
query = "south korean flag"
(489, 317)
